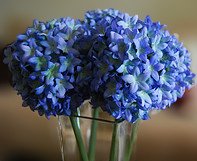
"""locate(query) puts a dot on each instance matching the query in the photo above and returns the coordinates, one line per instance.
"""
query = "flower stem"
(79, 139)
(61, 137)
(114, 144)
(92, 143)
(129, 149)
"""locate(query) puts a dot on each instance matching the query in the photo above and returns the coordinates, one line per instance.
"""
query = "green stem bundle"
(129, 145)
(79, 138)
(114, 143)
(92, 143)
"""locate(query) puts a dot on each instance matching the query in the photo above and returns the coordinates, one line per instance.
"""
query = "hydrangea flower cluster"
(45, 65)
(137, 65)
(124, 65)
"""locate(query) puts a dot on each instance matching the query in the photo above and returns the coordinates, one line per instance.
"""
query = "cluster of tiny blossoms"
(137, 65)
(124, 65)
(45, 64)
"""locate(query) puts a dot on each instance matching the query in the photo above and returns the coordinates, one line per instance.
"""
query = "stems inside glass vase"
(114, 143)
(92, 143)
(60, 133)
(130, 145)
(121, 148)
(79, 139)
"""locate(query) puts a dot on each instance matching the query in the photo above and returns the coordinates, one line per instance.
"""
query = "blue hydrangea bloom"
(124, 65)
(137, 65)
(45, 62)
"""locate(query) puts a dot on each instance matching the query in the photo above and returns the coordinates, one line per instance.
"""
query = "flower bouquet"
(121, 65)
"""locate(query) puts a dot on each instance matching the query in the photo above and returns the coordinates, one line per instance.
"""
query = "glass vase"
(123, 138)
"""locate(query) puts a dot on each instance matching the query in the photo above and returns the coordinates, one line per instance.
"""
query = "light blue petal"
(26, 48)
(114, 48)
(129, 78)
(144, 76)
(133, 87)
(61, 91)
(121, 69)
(123, 24)
(162, 46)
(158, 66)
(143, 85)
(167, 94)
(40, 89)
(22, 37)
(45, 44)
(144, 96)
(128, 115)
(33, 60)
(155, 75)
(115, 36)
(68, 85)
(143, 115)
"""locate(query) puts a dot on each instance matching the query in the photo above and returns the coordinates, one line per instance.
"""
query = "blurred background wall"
(170, 135)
